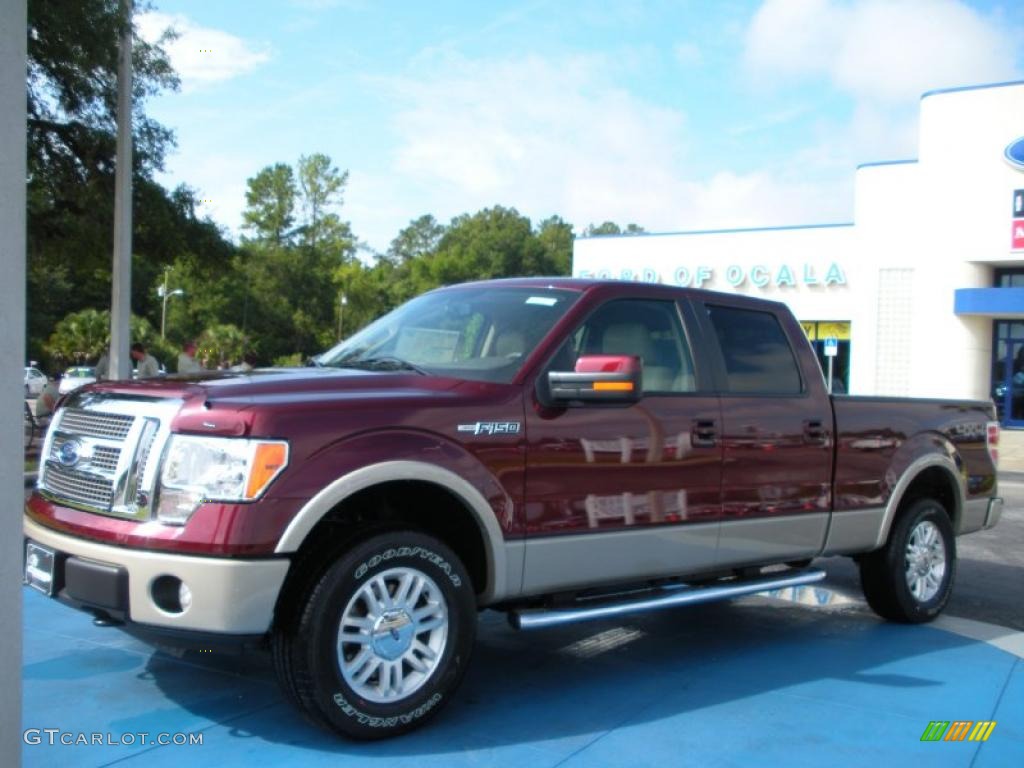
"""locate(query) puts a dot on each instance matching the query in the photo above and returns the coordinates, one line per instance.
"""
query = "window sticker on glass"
(427, 345)
(544, 301)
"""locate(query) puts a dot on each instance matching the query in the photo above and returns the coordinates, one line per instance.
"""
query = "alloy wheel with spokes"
(392, 635)
(926, 561)
(379, 641)
(910, 579)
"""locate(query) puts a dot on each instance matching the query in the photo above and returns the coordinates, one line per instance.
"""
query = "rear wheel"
(383, 638)
(911, 578)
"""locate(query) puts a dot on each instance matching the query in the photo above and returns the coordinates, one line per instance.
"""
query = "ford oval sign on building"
(1015, 154)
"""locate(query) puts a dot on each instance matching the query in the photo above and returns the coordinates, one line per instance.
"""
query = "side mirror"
(598, 379)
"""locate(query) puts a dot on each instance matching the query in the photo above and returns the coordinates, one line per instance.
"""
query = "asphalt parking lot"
(806, 677)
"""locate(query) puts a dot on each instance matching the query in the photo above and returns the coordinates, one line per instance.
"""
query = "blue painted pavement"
(758, 681)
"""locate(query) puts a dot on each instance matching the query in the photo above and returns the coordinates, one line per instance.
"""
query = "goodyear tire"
(911, 578)
(382, 638)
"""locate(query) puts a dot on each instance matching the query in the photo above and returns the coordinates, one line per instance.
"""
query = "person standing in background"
(47, 399)
(145, 364)
(187, 362)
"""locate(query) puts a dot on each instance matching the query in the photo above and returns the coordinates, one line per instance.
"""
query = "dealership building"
(921, 295)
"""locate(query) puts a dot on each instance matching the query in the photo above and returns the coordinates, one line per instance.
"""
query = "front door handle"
(814, 431)
(704, 433)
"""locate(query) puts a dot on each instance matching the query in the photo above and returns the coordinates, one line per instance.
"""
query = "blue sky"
(672, 114)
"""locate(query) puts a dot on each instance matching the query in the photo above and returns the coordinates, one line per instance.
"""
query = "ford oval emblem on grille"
(1014, 154)
(70, 453)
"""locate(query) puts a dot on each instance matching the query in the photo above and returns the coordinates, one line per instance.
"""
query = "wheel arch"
(381, 475)
(934, 475)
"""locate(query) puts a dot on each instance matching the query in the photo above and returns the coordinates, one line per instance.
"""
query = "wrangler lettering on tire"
(383, 638)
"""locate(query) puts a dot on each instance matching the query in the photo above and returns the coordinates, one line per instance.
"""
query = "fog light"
(170, 594)
(184, 597)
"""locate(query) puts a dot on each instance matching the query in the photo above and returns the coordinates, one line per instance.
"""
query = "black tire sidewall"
(340, 704)
(896, 556)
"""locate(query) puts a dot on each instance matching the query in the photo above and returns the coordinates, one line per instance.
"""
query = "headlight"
(199, 469)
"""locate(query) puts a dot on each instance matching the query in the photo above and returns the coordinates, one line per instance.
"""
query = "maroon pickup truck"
(556, 449)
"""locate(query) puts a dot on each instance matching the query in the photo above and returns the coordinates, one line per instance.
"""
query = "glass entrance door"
(1008, 372)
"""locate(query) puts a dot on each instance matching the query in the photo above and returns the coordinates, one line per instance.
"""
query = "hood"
(280, 385)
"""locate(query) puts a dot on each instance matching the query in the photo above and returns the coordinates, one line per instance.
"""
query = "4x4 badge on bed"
(491, 428)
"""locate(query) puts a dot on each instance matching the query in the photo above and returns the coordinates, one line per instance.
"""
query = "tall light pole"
(121, 283)
(342, 301)
(163, 293)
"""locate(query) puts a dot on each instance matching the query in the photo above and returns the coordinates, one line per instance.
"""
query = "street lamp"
(342, 301)
(163, 293)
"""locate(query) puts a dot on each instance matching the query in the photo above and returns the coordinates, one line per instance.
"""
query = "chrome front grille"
(99, 454)
(82, 488)
(113, 426)
(105, 459)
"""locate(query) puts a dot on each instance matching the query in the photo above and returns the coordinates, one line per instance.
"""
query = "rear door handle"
(704, 433)
(814, 431)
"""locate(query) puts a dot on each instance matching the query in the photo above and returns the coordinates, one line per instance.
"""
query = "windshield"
(473, 333)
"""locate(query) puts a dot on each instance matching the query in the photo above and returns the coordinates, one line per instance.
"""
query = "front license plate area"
(39, 567)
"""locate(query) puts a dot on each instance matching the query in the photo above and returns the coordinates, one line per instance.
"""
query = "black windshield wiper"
(382, 363)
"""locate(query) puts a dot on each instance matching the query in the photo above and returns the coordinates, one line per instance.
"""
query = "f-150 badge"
(491, 428)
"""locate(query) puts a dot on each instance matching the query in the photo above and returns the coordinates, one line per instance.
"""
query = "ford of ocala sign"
(1014, 154)
(759, 275)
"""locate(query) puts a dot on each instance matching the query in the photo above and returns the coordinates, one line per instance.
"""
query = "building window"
(1009, 278)
(817, 332)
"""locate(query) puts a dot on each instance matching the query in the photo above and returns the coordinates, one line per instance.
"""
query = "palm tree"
(222, 345)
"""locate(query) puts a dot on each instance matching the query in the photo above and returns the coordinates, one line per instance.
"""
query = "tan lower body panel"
(228, 595)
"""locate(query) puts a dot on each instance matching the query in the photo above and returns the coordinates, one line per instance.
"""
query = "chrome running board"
(663, 597)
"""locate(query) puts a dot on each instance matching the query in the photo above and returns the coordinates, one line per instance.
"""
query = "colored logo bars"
(958, 730)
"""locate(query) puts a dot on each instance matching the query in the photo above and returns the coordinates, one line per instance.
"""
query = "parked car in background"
(77, 377)
(35, 380)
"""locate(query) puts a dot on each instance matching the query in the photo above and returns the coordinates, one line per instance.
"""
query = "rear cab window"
(757, 355)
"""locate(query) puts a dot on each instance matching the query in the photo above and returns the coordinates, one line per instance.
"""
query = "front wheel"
(910, 579)
(383, 638)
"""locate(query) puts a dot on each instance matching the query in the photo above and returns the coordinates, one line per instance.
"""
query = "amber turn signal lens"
(269, 459)
(613, 386)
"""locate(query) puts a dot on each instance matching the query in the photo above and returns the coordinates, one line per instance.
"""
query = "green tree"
(420, 238)
(322, 189)
(611, 228)
(80, 337)
(270, 204)
(83, 336)
(222, 345)
(71, 103)
(288, 267)
(495, 242)
(555, 236)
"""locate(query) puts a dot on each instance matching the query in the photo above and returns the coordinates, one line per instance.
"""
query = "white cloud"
(201, 55)
(887, 51)
(882, 55)
(558, 136)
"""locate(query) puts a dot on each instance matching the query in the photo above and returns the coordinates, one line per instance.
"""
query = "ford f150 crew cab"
(556, 449)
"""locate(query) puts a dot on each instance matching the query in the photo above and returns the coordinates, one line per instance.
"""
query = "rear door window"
(756, 352)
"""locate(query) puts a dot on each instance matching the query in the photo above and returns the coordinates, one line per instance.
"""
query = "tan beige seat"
(511, 344)
(633, 338)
